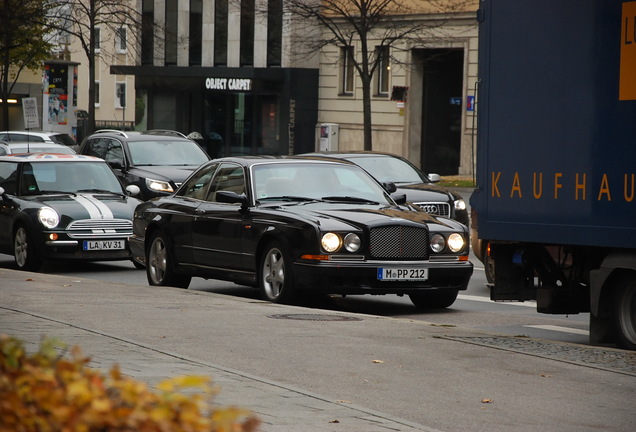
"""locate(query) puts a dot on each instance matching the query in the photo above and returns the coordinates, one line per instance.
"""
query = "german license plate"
(104, 244)
(402, 274)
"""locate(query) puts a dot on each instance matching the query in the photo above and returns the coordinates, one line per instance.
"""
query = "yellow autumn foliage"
(47, 392)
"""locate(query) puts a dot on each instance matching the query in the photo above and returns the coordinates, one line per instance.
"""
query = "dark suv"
(156, 161)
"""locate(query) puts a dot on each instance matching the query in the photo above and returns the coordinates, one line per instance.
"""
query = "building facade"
(223, 69)
(423, 97)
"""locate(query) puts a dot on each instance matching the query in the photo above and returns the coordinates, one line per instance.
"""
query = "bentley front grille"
(99, 228)
(399, 242)
(437, 209)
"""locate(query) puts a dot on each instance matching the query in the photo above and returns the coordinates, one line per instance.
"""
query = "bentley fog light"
(331, 242)
(437, 243)
(352, 242)
(455, 242)
(460, 204)
(48, 217)
(159, 185)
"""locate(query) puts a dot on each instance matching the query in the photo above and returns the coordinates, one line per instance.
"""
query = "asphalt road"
(473, 308)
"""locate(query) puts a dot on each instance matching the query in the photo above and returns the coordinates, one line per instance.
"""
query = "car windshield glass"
(386, 168)
(304, 181)
(166, 152)
(68, 177)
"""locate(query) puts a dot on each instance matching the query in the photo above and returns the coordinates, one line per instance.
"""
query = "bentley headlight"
(455, 242)
(48, 217)
(159, 185)
(437, 243)
(460, 204)
(352, 242)
(331, 242)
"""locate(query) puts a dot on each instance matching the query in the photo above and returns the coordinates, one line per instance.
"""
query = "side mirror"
(1, 191)
(399, 198)
(133, 190)
(389, 186)
(434, 178)
(230, 197)
(116, 164)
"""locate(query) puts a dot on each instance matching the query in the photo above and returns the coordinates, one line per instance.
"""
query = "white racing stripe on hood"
(96, 209)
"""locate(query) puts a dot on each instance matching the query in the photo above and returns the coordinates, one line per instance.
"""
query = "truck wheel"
(24, 253)
(625, 314)
(160, 265)
(489, 266)
(434, 299)
(276, 280)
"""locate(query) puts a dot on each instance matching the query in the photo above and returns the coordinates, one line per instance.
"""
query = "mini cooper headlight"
(437, 243)
(48, 217)
(159, 185)
(455, 242)
(352, 242)
(331, 242)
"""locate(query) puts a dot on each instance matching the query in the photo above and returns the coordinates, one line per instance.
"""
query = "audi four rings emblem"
(429, 208)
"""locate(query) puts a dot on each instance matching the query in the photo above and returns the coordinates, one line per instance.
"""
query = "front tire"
(434, 299)
(160, 265)
(276, 280)
(24, 253)
(625, 314)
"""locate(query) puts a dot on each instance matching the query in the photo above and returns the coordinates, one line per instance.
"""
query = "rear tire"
(625, 314)
(434, 299)
(160, 264)
(489, 266)
(276, 280)
(24, 253)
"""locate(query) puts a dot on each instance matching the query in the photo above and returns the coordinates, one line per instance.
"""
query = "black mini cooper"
(63, 207)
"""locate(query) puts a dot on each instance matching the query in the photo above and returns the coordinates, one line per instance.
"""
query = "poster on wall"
(56, 87)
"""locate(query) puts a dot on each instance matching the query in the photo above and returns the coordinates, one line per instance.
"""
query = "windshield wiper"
(101, 191)
(55, 192)
(349, 199)
(288, 198)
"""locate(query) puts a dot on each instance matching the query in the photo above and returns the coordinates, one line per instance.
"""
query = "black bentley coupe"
(294, 225)
(63, 207)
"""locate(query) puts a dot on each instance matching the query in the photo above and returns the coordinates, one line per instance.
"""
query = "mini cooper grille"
(437, 209)
(100, 228)
(399, 242)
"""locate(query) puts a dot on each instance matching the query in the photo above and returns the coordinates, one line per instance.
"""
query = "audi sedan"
(419, 188)
(292, 226)
(63, 207)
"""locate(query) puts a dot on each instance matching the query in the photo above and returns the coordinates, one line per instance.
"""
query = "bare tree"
(24, 44)
(387, 24)
(81, 19)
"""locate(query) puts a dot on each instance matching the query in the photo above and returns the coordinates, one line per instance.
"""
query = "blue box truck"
(555, 200)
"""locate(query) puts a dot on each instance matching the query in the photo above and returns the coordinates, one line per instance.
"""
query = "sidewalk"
(314, 370)
(279, 407)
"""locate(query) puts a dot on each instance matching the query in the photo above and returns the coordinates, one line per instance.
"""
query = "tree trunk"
(366, 113)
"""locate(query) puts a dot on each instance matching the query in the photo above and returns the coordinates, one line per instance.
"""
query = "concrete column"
(234, 34)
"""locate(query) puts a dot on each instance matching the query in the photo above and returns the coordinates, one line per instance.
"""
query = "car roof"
(152, 135)
(26, 147)
(249, 161)
(49, 157)
(350, 153)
